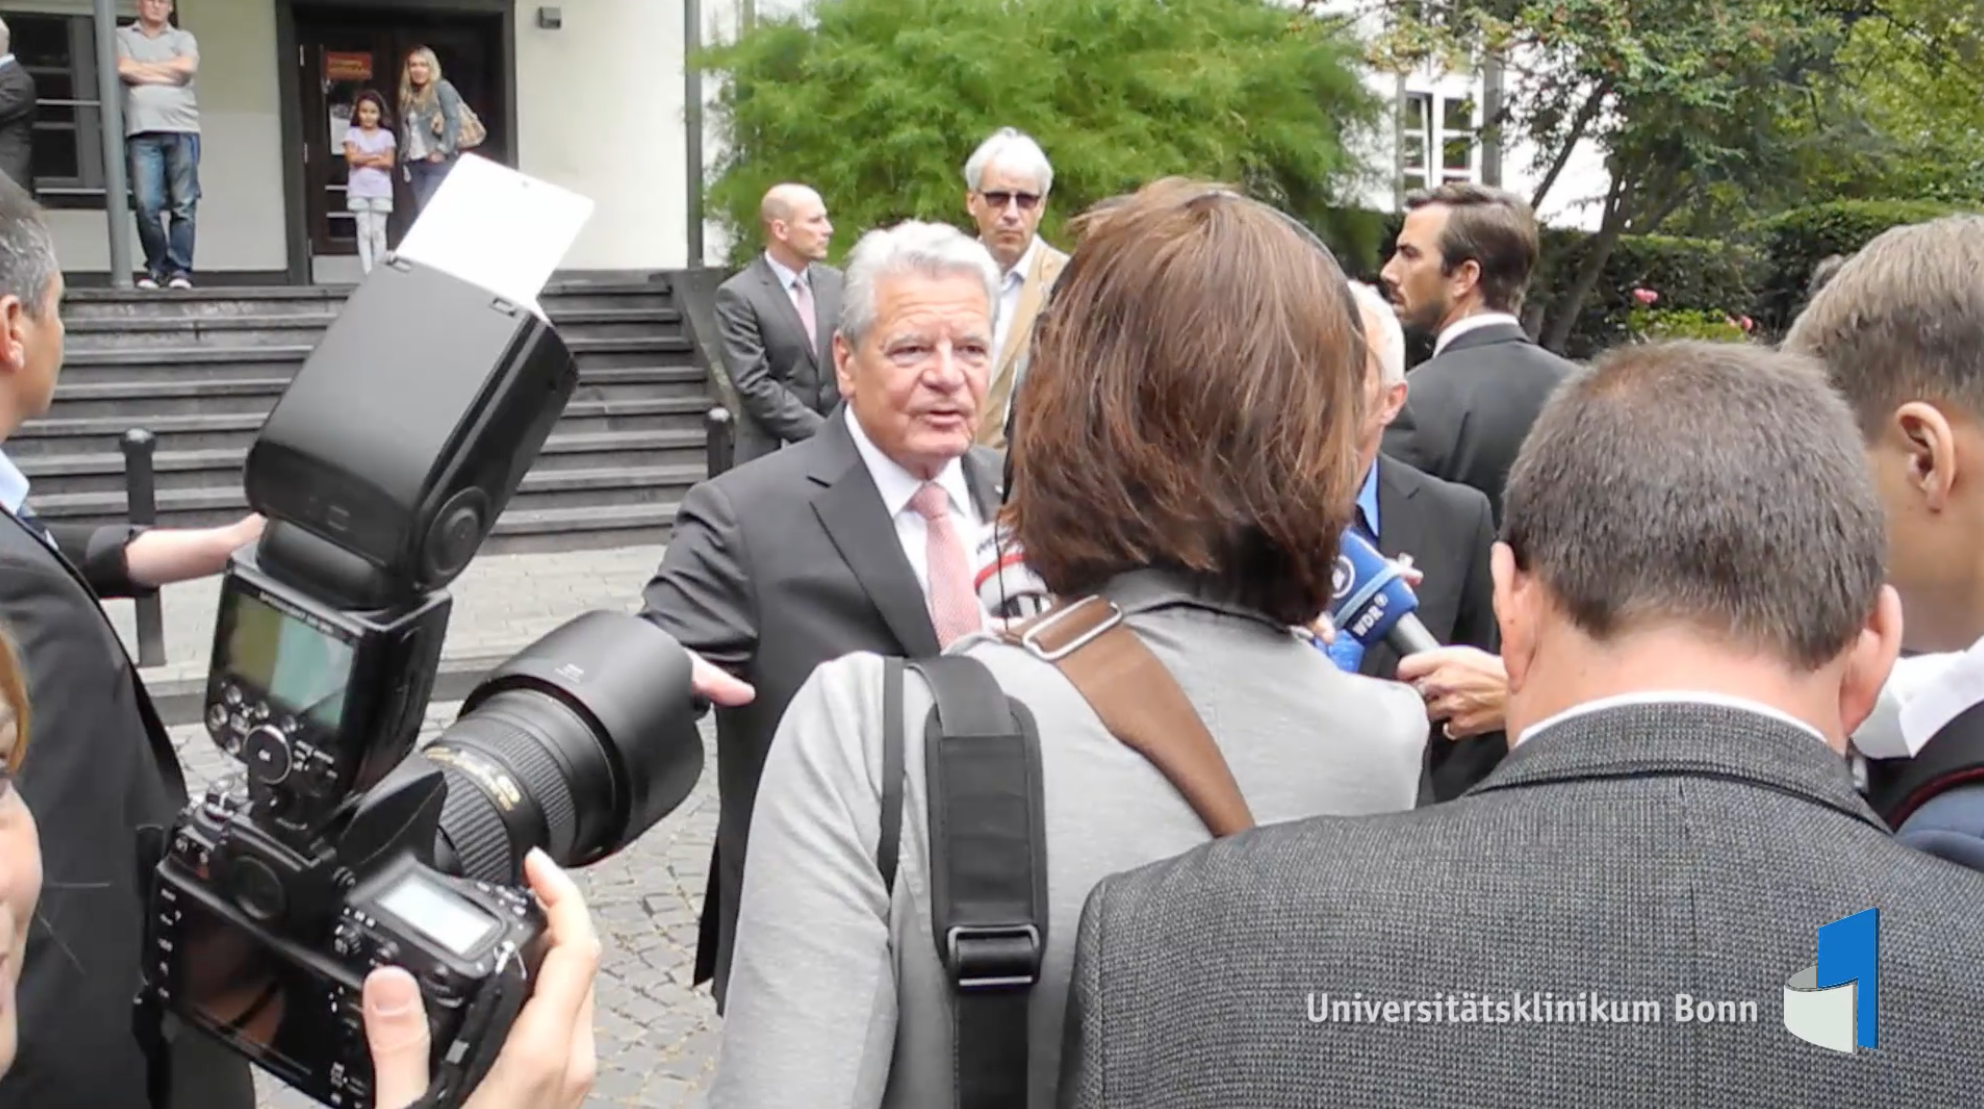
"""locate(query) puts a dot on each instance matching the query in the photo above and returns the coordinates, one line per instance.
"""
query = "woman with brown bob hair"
(20, 849)
(1185, 452)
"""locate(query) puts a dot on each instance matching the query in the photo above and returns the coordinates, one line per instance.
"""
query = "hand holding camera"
(548, 1060)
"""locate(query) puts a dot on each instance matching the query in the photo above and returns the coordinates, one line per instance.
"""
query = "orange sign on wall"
(347, 65)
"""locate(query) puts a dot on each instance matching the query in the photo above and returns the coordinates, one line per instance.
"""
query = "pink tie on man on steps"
(802, 299)
(954, 607)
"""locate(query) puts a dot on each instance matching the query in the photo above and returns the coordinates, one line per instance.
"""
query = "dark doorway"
(343, 51)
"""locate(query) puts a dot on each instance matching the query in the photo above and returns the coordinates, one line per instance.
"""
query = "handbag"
(987, 813)
(469, 131)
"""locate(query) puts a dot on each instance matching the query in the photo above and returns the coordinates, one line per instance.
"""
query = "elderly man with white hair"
(1446, 531)
(860, 538)
(1007, 180)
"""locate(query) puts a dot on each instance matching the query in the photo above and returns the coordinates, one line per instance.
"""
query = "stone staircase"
(202, 369)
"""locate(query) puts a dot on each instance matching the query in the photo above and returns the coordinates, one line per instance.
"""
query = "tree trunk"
(1570, 304)
(1580, 123)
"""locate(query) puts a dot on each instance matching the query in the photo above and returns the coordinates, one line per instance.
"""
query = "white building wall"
(600, 111)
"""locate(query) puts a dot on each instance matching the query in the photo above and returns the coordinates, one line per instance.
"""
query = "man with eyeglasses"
(1006, 184)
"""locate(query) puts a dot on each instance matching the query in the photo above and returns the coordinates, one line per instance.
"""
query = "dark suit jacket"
(1636, 852)
(1448, 530)
(1470, 407)
(774, 568)
(99, 769)
(17, 114)
(785, 384)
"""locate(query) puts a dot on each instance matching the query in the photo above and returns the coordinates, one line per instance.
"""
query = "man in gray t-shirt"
(157, 62)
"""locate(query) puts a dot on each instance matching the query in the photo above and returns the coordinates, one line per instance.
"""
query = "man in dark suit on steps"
(775, 322)
(1676, 821)
(1447, 530)
(840, 543)
(18, 105)
(101, 777)
(1463, 260)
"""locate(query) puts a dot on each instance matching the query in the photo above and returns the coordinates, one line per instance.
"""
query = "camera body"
(238, 957)
(340, 848)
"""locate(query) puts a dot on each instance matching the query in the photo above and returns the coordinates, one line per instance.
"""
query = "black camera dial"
(267, 753)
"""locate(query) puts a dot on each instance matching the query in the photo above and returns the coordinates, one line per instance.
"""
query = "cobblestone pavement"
(656, 1035)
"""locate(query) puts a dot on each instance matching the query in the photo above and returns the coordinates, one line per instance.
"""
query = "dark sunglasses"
(1026, 201)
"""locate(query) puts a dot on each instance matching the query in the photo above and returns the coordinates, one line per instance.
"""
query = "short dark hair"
(1760, 527)
(1194, 403)
(1493, 228)
(27, 251)
(1903, 320)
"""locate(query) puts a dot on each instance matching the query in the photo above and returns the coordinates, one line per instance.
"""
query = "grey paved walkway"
(656, 1036)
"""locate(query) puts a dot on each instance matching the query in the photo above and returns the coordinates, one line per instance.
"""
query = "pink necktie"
(802, 299)
(954, 608)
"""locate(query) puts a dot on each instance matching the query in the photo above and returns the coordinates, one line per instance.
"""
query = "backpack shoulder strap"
(888, 849)
(988, 871)
(1140, 703)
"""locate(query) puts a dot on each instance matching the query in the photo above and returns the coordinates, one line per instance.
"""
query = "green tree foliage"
(1683, 97)
(877, 104)
(1914, 72)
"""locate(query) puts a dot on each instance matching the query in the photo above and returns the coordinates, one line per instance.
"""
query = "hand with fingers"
(547, 1062)
(1465, 688)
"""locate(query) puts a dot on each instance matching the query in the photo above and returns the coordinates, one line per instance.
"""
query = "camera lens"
(577, 745)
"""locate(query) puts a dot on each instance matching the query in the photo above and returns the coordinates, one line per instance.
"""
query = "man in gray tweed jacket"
(1694, 617)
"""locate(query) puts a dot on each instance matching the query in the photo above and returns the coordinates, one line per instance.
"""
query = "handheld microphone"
(1370, 601)
(1007, 588)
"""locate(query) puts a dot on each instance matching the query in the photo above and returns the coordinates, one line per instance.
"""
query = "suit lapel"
(782, 296)
(850, 509)
(1400, 531)
(982, 473)
(826, 316)
(1024, 312)
(156, 736)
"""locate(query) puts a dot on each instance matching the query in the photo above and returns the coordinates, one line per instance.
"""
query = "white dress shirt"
(1669, 697)
(1466, 324)
(897, 486)
(1923, 693)
(1010, 286)
(785, 274)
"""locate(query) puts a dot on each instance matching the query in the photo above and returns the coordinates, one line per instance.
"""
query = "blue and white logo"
(1342, 576)
(1836, 1002)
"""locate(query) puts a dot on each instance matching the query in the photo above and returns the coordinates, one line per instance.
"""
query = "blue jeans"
(165, 181)
(426, 178)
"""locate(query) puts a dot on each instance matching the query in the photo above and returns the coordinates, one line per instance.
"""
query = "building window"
(60, 51)
(1450, 137)
(1415, 142)
(1457, 141)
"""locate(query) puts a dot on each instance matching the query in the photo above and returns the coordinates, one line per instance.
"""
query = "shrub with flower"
(1650, 324)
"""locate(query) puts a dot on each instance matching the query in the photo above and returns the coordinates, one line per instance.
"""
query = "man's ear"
(843, 369)
(1929, 442)
(1870, 661)
(13, 335)
(1515, 612)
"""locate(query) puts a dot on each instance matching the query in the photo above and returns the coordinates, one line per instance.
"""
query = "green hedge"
(1796, 241)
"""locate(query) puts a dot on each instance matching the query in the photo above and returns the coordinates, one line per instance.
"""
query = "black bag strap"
(988, 871)
(1954, 756)
(889, 847)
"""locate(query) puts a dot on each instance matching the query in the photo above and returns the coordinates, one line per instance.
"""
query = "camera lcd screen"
(444, 917)
(273, 1010)
(300, 668)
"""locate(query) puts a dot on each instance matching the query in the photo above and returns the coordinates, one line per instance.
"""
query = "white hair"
(1382, 330)
(1015, 150)
(6, 37)
(930, 250)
